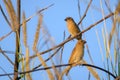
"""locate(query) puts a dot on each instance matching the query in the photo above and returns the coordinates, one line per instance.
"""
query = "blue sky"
(53, 20)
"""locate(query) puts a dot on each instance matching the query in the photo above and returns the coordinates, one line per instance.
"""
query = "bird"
(73, 27)
(77, 54)
(76, 57)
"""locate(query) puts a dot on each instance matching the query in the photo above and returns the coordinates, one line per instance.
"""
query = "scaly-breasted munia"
(77, 54)
(73, 27)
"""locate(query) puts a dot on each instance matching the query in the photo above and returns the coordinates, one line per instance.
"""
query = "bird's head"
(68, 18)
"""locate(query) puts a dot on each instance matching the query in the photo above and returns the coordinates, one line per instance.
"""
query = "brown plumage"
(75, 58)
(73, 27)
(77, 54)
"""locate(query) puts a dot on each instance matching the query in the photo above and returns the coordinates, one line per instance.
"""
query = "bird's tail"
(65, 71)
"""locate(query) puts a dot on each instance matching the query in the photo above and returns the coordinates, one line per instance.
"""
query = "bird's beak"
(84, 41)
(65, 19)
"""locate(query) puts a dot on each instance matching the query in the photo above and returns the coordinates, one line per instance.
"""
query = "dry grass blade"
(100, 47)
(107, 50)
(106, 32)
(105, 43)
(9, 12)
(37, 33)
(12, 14)
(112, 33)
(56, 72)
(92, 71)
(27, 64)
(51, 77)
(24, 30)
(114, 64)
(116, 19)
(115, 53)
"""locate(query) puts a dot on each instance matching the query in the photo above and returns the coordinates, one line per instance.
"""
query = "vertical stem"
(18, 13)
(16, 66)
(118, 48)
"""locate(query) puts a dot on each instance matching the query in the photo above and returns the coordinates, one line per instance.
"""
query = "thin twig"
(48, 58)
(63, 65)
(6, 56)
(5, 35)
(89, 54)
(6, 72)
(108, 6)
(85, 12)
(4, 15)
(38, 12)
(62, 48)
(79, 8)
(7, 52)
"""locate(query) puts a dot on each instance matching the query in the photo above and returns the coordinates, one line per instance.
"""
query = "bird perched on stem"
(77, 54)
(76, 57)
(73, 27)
